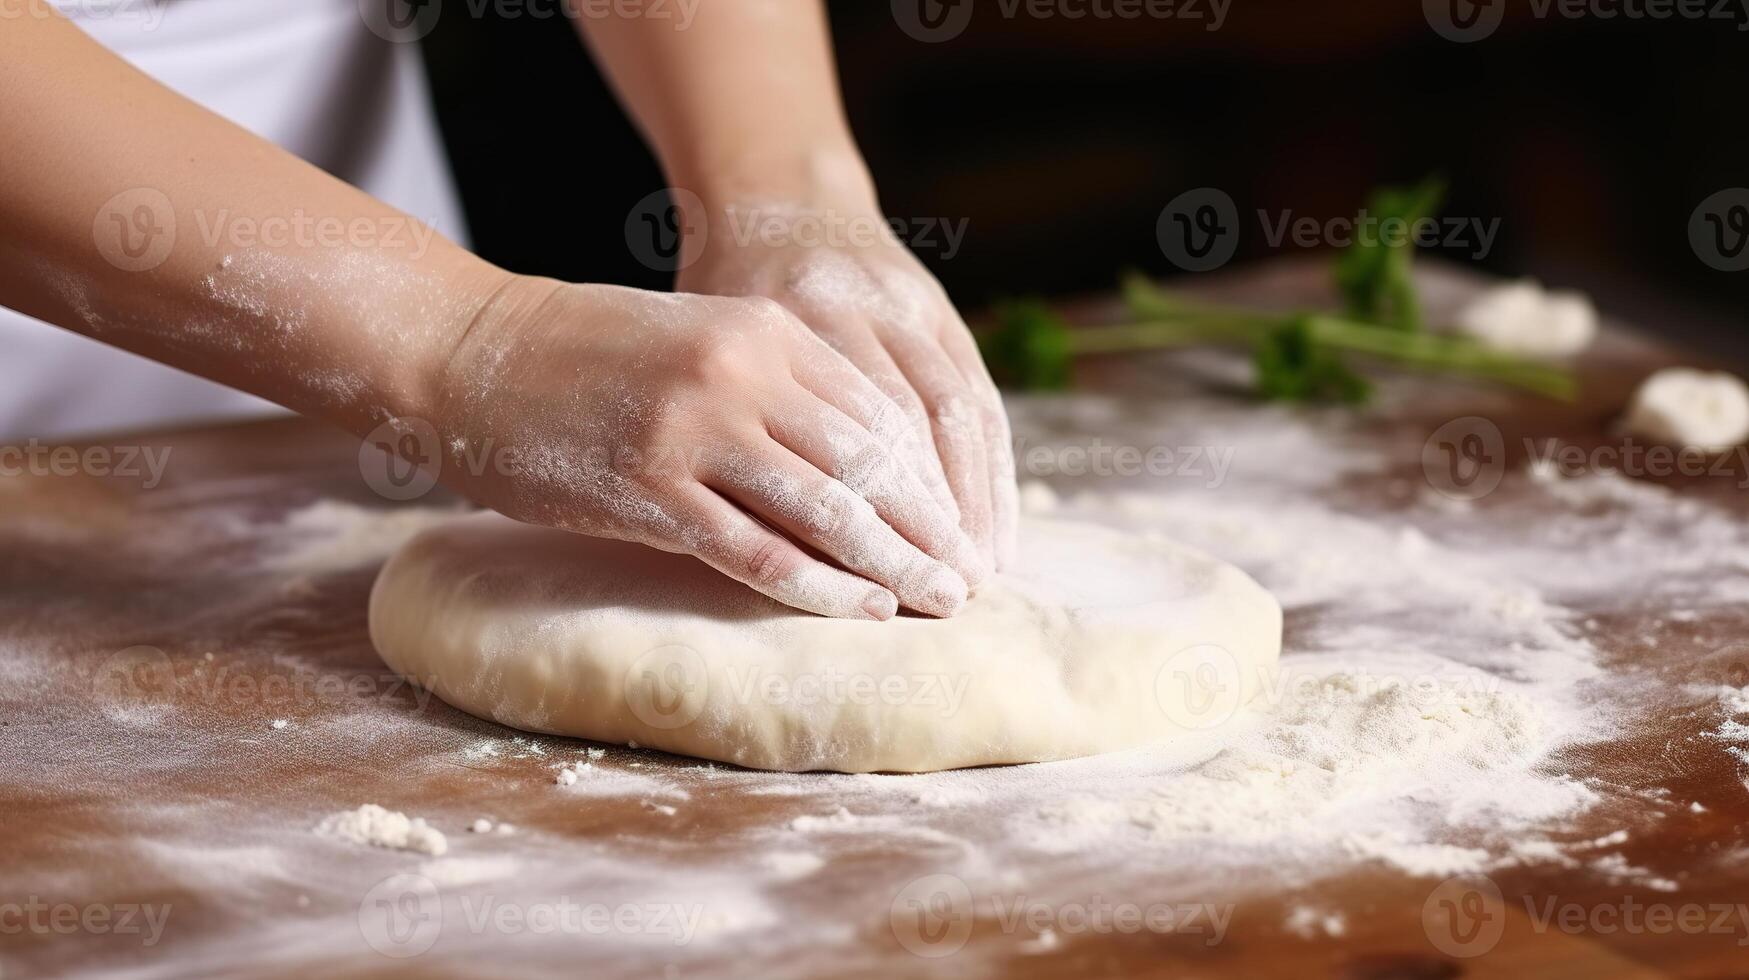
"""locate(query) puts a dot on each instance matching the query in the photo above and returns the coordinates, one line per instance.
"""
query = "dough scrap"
(1096, 641)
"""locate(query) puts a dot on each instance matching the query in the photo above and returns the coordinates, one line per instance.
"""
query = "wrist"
(476, 295)
(829, 174)
(506, 304)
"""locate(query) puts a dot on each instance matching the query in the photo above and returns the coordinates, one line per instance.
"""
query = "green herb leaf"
(1029, 349)
(1293, 366)
(1376, 272)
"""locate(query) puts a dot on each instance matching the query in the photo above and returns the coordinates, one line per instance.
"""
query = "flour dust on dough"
(1096, 641)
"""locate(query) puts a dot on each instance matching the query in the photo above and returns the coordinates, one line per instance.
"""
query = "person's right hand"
(697, 425)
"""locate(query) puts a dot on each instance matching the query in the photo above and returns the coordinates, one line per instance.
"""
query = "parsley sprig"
(1299, 356)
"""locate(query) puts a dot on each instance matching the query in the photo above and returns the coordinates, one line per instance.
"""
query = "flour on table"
(375, 826)
(792, 865)
(332, 535)
(1311, 922)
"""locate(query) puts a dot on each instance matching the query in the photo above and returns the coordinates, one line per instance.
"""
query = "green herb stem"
(1173, 322)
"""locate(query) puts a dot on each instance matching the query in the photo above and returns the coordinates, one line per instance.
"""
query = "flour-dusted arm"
(693, 424)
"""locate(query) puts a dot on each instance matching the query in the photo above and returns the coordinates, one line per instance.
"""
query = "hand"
(856, 287)
(684, 422)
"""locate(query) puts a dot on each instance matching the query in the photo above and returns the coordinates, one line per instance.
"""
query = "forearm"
(133, 216)
(741, 105)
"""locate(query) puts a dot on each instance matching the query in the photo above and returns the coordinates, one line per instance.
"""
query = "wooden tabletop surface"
(184, 694)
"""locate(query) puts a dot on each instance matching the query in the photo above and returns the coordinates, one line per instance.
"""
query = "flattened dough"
(1097, 641)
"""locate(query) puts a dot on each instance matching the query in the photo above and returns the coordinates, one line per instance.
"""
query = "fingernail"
(880, 605)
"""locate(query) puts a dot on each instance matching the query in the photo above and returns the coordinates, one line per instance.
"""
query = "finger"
(834, 444)
(865, 384)
(958, 427)
(1004, 487)
(792, 494)
(728, 540)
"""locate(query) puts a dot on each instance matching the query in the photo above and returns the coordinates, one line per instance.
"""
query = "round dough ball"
(1097, 641)
(1524, 318)
(1685, 407)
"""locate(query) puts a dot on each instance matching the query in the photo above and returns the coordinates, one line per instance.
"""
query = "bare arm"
(692, 424)
(739, 103)
(140, 219)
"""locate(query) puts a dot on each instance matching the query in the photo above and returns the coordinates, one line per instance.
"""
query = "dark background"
(1592, 140)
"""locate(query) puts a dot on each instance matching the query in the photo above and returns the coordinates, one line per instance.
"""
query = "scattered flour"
(1442, 661)
(792, 865)
(333, 536)
(372, 825)
(1310, 922)
(842, 819)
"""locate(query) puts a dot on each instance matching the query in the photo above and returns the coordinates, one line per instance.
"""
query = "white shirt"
(308, 75)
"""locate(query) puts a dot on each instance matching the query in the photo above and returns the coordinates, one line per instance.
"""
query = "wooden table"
(182, 700)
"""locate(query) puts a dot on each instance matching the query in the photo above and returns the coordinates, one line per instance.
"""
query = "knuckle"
(727, 358)
(764, 313)
(769, 563)
(867, 470)
(829, 512)
(953, 414)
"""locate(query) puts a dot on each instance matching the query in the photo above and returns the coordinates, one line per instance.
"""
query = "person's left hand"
(850, 280)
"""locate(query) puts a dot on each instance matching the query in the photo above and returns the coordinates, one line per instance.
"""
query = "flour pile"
(1332, 757)
(375, 826)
